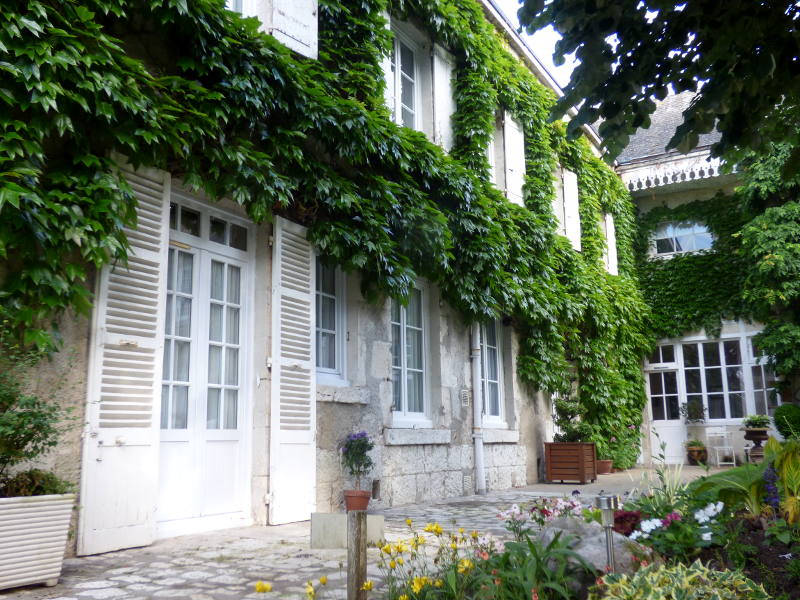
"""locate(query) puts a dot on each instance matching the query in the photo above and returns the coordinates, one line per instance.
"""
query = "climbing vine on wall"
(194, 89)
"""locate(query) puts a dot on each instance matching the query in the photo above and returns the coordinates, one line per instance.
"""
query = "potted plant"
(356, 459)
(756, 428)
(35, 505)
(570, 457)
(697, 452)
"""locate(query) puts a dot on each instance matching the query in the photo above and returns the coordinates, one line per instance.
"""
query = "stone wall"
(416, 465)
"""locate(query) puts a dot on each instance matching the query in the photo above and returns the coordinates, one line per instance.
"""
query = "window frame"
(489, 420)
(337, 375)
(400, 36)
(403, 418)
(748, 362)
(654, 240)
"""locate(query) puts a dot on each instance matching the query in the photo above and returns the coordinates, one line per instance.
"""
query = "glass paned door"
(664, 396)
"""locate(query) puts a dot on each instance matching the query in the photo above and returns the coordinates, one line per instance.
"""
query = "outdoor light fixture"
(607, 506)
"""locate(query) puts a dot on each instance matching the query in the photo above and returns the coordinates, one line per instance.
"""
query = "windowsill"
(331, 379)
(500, 436)
(401, 436)
(343, 394)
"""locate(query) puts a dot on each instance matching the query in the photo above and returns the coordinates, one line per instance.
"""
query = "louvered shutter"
(293, 390)
(119, 477)
(611, 243)
(572, 218)
(514, 151)
(443, 103)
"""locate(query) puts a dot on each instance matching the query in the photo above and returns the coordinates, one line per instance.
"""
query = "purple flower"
(631, 427)
(771, 489)
(613, 439)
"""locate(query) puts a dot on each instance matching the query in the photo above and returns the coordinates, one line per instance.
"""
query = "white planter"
(33, 536)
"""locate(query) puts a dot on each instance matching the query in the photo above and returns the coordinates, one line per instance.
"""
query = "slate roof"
(653, 140)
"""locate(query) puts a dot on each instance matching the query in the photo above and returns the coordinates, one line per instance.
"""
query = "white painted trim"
(500, 436)
(337, 376)
(694, 166)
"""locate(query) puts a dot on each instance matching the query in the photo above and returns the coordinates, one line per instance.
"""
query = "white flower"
(636, 535)
(706, 536)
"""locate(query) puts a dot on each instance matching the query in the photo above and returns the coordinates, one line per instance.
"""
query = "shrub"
(29, 425)
(787, 420)
(34, 482)
(678, 582)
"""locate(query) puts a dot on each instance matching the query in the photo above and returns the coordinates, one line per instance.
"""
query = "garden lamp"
(607, 506)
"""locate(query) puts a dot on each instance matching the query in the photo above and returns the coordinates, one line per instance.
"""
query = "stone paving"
(224, 565)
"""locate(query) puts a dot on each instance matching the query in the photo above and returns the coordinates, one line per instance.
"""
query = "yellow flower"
(434, 528)
(402, 597)
(310, 592)
(454, 546)
(473, 534)
(387, 549)
(392, 564)
(417, 584)
(461, 530)
(323, 580)
(438, 583)
(263, 587)
(367, 585)
(408, 522)
(400, 560)
(465, 565)
(400, 547)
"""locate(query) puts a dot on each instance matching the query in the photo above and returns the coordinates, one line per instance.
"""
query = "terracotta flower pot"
(604, 466)
(356, 499)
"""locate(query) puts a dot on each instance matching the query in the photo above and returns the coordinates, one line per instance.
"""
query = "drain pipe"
(477, 409)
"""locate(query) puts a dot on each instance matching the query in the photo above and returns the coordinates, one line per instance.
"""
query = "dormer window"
(680, 237)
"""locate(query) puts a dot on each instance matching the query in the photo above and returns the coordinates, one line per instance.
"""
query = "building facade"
(226, 361)
(701, 383)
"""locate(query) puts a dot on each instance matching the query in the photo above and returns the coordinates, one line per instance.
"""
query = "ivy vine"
(194, 89)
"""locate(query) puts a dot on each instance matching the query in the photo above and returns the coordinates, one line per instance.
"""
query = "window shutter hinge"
(271, 241)
(269, 363)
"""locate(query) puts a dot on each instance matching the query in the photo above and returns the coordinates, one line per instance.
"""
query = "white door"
(120, 454)
(662, 389)
(293, 420)
(204, 472)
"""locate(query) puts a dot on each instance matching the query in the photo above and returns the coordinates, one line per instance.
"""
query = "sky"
(542, 44)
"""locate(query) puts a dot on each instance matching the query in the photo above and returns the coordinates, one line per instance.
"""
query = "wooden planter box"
(570, 461)
(33, 536)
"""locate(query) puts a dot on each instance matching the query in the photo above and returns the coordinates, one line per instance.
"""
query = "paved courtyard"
(226, 564)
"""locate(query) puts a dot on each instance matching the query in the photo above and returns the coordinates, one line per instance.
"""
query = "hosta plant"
(678, 582)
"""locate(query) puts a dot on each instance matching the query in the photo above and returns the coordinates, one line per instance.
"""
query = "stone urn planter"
(757, 435)
(33, 537)
(570, 461)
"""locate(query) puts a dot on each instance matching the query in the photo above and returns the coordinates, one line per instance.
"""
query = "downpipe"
(477, 409)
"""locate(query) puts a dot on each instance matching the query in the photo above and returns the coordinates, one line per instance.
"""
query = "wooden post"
(356, 554)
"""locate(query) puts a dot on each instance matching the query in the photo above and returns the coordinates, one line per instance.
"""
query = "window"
(409, 386)
(767, 398)
(402, 83)
(491, 373)
(713, 376)
(330, 323)
(676, 238)
(662, 354)
(664, 396)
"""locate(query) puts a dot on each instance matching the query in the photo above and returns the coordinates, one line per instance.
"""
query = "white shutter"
(514, 151)
(119, 476)
(610, 254)
(443, 103)
(572, 218)
(294, 24)
(293, 418)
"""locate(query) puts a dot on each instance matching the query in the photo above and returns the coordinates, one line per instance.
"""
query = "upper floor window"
(330, 335)
(491, 373)
(402, 83)
(678, 237)
(409, 364)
